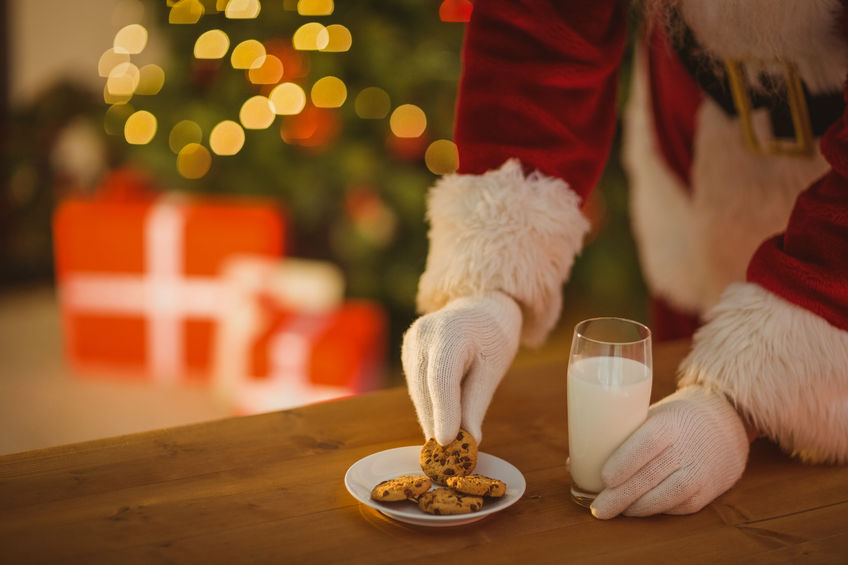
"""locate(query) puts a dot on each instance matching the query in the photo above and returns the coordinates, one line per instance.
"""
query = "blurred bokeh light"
(227, 138)
(408, 120)
(212, 44)
(311, 36)
(315, 7)
(257, 113)
(131, 39)
(193, 161)
(183, 133)
(249, 54)
(329, 92)
(372, 103)
(288, 99)
(442, 157)
(140, 127)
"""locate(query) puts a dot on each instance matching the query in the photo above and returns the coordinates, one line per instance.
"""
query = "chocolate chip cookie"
(456, 459)
(444, 501)
(401, 488)
(478, 485)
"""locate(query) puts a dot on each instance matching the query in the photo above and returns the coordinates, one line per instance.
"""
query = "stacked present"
(293, 339)
(175, 289)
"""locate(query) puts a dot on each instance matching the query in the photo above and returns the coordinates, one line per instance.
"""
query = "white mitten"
(692, 448)
(454, 359)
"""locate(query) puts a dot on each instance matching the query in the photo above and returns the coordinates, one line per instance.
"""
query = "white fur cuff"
(782, 366)
(503, 231)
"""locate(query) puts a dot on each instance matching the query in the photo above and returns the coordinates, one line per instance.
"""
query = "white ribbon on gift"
(288, 383)
(162, 292)
(313, 289)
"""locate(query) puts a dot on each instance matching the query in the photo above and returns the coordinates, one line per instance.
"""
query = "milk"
(608, 399)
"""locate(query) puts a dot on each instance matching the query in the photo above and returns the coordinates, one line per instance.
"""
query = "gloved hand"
(692, 448)
(454, 359)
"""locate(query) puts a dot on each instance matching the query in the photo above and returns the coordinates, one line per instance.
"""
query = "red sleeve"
(808, 264)
(539, 83)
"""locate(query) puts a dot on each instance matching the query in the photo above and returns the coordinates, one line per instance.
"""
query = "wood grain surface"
(269, 489)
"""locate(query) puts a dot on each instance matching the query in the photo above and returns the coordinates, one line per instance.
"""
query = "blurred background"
(216, 207)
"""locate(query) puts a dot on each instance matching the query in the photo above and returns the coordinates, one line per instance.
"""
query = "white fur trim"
(661, 211)
(503, 231)
(740, 199)
(781, 365)
(692, 247)
(806, 32)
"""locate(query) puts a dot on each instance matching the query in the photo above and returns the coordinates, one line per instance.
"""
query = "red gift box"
(302, 358)
(138, 282)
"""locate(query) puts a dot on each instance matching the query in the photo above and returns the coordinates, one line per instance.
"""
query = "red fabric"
(675, 99)
(808, 264)
(668, 323)
(539, 83)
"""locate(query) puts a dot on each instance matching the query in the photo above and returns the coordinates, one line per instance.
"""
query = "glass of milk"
(609, 391)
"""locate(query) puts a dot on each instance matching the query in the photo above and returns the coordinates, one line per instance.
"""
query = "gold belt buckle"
(803, 144)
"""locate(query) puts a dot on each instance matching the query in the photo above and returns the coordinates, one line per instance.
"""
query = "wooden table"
(269, 488)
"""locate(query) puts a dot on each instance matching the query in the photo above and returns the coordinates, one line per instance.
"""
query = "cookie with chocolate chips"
(478, 485)
(401, 488)
(444, 501)
(456, 459)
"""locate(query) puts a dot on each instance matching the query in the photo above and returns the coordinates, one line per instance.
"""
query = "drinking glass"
(609, 391)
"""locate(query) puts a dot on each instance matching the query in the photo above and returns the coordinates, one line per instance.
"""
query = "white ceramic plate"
(363, 475)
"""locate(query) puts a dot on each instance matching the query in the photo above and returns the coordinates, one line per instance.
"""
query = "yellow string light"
(339, 39)
(242, 9)
(227, 138)
(110, 98)
(140, 128)
(194, 161)
(315, 7)
(442, 157)
(408, 120)
(212, 44)
(123, 80)
(183, 133)
(131, 39)
(257, 113)
(288, 99)
(115, 118)
(110, 59)
(151, 80)
(329, 92)
(249, 54)
(270, 72)
(311, 36)
(185, 12)
(372, 103)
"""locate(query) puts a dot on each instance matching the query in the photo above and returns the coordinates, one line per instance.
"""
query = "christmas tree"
(361, 98)
(343, 112)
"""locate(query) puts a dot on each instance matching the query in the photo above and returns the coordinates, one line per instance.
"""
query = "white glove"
(454, 359)
(692, 448)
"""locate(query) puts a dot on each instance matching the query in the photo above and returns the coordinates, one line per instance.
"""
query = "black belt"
(823, 109)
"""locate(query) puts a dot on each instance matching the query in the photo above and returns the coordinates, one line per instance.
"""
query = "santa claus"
(736, 145)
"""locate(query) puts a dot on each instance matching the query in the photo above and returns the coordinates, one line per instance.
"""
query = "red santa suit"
(754, 247)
